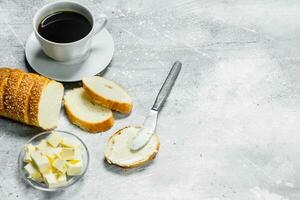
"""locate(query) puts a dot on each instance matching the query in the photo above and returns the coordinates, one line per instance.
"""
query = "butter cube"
(75, 168)
(54, 139)
(29, 148)
(33, 173)
(42, 145)
(69, 142)
(77, 154)
(67, 153)
(50, 153)
(27, 157)
(61, 179)
(57, 151)
(51, 160)
(41, 162)
(53, 182)
(50, 179)
(60, 165)
(37, 179)
(54, 171)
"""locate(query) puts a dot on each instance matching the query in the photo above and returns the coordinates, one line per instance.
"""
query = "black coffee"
(64, 27)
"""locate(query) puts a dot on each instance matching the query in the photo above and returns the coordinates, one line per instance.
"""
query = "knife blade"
(149, 125)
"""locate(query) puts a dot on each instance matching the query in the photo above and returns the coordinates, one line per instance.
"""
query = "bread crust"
(87, 126)
(135, 164)
(4, 74)
(23, 95)
(35, 96)
(10, 94)
(121, 107)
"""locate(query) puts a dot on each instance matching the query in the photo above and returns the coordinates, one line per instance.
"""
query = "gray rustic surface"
(231, 126)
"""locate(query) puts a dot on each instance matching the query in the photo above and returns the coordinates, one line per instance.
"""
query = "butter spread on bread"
(118, 150)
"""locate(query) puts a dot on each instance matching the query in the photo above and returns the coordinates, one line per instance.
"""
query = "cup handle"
(98, 27)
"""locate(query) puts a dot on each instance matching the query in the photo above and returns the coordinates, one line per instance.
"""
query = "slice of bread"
(107, 93)
(10, 94)
(118, 151)
(35, 95)
(45, 103)
(4, 74)
(22, 99)
(83, 113)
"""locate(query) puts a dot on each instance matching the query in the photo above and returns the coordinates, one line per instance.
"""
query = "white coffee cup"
(67, 52)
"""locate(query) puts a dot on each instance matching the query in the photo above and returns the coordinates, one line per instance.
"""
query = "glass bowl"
(70, 179)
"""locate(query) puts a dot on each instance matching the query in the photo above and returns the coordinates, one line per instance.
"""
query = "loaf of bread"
(85, 114)
(30, 98)
(4, 73)
(107, 93)
(118, 150)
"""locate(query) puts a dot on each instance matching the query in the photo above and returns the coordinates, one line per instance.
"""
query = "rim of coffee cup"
(37, 21)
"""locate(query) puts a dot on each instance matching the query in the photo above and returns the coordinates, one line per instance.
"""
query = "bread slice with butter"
(107, 93)
(118, 150)
(83, 113)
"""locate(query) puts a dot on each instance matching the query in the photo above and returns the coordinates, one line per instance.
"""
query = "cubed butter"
(57, 151)
(50, 179)
(77, 154)
(27, 157)
(54, 181)
(54, 139)
(75, 168)
(54, 171)
(42, 145)
(69, 142)
(67, 153)
(33, 173)
(60, 165)
(41, 162)
(38, 178)
(61, 179)
(53, 159)
(29, 148)
(50, 152)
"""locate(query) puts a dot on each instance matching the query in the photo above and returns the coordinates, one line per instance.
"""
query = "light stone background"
(231, 126)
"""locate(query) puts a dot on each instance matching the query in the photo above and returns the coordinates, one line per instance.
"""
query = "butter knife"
(149, 125)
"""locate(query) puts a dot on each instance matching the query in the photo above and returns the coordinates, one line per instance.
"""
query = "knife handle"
(167, 86)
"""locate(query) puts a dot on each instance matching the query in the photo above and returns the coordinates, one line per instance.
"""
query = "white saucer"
(100, 56)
